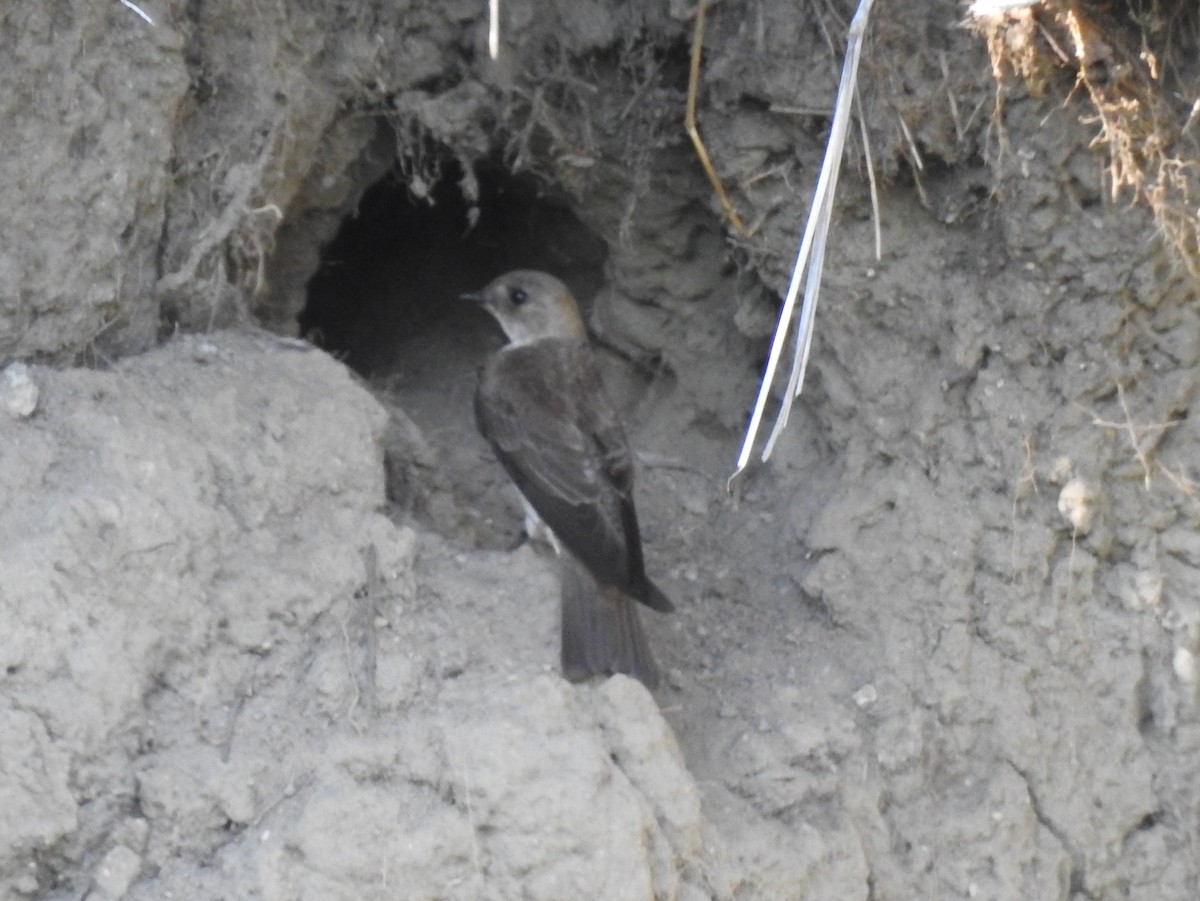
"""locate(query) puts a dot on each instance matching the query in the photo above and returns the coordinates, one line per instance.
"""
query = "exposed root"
(1137, 75)
(694, 133)
(1142, 450)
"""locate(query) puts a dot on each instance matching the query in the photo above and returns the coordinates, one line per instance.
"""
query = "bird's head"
(530, 305)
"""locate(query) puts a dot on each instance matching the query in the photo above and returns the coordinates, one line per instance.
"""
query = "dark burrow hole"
(399, 264)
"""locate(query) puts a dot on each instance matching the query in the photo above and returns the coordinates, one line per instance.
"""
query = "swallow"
(541, 405)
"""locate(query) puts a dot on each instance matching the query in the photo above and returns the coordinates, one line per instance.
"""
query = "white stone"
(18, 391)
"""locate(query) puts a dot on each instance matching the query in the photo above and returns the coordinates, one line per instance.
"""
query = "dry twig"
(694, 132)
(137, 9)
(811, 253)
(494, 28)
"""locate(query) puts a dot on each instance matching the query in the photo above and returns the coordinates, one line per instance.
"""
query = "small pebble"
(117, 871)
(866, 695)
(1076, 504)
(1185, 665)
(18, 391)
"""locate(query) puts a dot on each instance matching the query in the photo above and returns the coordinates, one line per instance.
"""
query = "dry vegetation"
(1135, 66)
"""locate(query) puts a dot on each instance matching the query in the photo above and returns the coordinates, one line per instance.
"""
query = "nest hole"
(399, 263)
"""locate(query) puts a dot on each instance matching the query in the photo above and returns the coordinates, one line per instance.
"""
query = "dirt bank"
(268, 632)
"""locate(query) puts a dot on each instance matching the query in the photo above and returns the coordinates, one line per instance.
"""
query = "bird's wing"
(602, 425)
(543, 409)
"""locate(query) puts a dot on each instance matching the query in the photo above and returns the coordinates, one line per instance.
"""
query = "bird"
(541, 405)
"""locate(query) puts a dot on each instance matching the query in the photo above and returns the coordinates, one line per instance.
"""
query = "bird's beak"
(473, 297)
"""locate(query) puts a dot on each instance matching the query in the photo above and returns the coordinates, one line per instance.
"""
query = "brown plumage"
(542, 407)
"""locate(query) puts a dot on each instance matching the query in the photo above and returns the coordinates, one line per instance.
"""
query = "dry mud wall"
(942, 645)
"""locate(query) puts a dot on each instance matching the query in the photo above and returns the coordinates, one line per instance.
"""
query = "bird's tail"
(601, 630)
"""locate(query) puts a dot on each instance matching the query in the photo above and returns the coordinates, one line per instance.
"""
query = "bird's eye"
(518, 296)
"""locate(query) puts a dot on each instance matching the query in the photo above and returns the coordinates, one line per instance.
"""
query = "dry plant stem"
(494, 28)
(812, 245)
(137, 9)
(866, 140)
(694, 133)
